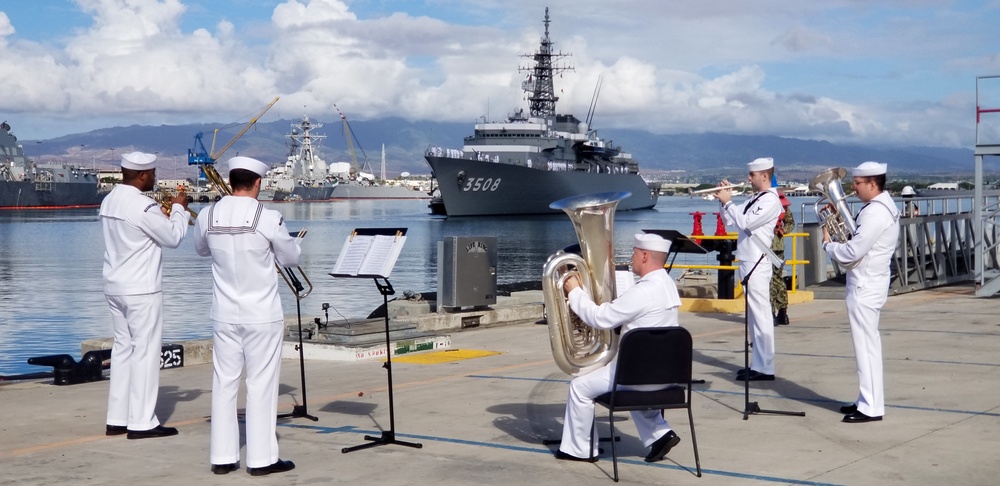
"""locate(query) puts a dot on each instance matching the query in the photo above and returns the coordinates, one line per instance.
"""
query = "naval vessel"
(305, 176)
(523, 164)
(25, 184)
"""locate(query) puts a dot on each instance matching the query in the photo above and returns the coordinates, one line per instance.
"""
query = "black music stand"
(289, 275)
(679, 243)
(752, 407)
(371, 253)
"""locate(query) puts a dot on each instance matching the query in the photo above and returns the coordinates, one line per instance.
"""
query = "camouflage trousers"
(779, 292)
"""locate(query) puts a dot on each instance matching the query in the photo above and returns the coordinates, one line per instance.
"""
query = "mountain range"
(683, 157)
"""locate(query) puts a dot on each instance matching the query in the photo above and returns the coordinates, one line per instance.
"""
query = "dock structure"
(986, 214)
(482, 408)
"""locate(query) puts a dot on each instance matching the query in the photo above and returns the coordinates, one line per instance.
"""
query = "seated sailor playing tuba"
(652, 302)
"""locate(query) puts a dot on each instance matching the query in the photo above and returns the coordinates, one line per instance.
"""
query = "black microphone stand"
(299, 410)
(752, 407)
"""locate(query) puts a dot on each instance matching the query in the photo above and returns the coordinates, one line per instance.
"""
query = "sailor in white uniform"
(652, 302)
(755, 221)
(135, 232)
(245, 240)
(868, 256)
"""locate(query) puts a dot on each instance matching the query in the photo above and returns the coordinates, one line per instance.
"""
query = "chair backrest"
(654, 356)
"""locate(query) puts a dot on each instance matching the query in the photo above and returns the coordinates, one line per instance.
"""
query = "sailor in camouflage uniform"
(779, 292)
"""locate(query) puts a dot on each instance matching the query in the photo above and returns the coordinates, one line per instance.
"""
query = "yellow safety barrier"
(794, 262)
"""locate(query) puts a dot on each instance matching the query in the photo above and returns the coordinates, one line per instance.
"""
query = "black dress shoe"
(849, 409)
(566, 457)
(280, 466)
(115, 430)
(858, 417)
(225, 468)
(158, 431)
(659, 449)
(754, 376)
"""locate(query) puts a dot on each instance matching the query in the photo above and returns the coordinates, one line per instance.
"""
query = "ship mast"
(538, 84)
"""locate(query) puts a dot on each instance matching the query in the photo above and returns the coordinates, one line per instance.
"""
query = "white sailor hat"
(253, 165)
(760, 164)
(138, 161)
(652, 242)
(868, 169)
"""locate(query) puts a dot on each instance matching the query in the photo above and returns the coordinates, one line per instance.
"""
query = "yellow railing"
(794, 261)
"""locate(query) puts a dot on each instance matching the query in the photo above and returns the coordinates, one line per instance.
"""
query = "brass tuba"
(831, 209)
(576, 347)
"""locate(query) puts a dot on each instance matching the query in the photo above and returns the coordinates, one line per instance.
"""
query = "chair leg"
(694, 441)
(614, 450)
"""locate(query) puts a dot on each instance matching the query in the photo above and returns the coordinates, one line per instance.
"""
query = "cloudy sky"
(864, 71)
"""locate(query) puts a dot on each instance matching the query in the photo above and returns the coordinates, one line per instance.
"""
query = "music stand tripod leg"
(388, 436)
(752, 407)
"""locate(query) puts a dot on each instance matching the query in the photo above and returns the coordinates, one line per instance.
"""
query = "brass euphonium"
(576, 347)
(831, 209)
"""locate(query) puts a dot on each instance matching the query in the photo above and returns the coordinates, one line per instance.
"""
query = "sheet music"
(368, 255)
(353, 254)
(380, 252)
(624, 280)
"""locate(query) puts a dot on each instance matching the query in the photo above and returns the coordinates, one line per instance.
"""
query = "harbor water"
(51, 263)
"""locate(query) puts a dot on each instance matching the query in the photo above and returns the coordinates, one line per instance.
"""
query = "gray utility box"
(467, 271)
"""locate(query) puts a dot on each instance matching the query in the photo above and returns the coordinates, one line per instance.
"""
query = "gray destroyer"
(305, 176)
(523, 164)
(25, 184)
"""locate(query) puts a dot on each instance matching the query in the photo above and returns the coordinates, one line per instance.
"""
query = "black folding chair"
(651, 356)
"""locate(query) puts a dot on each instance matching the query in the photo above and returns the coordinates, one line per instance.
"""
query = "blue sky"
(858, 71)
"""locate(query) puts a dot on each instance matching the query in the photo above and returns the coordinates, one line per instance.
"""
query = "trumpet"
(164, 198)
(711, 190)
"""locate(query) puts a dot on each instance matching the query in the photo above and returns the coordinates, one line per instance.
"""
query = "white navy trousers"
(864, 304)
(258, 348)
(580, 413)
(759, 317)
(137, 322)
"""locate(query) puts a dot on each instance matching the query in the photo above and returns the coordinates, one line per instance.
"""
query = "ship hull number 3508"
(481, 184)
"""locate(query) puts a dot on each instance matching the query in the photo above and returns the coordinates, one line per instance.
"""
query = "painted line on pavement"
(765, 395)
(636, 462)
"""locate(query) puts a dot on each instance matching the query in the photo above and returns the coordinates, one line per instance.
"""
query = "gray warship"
(523, 164)
(305, 176)
(25, 184)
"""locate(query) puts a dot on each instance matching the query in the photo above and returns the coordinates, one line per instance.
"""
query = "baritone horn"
(831, 209)
(576, 347)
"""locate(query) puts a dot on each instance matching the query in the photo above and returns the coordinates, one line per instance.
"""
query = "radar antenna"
(538, 84)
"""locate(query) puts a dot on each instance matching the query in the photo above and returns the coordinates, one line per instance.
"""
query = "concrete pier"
(481, 420)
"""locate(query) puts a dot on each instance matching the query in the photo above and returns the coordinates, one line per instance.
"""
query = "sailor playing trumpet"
(755, 220)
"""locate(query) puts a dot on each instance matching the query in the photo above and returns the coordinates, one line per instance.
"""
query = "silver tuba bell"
(831, 209)
(576, 347)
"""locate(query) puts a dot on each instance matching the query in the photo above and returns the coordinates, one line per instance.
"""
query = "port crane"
(356, 172)
(205, 159)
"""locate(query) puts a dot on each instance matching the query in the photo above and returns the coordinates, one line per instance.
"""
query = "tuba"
(831, 209)
(576, 347)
